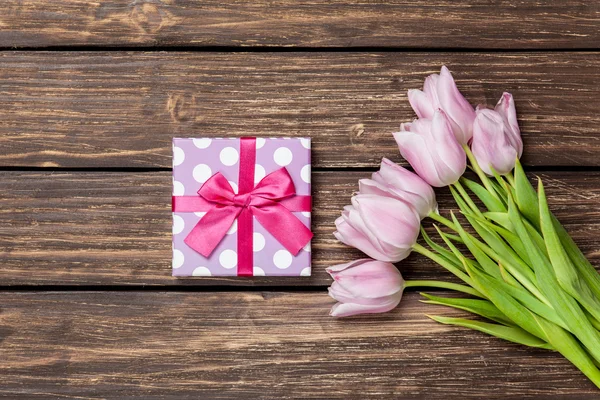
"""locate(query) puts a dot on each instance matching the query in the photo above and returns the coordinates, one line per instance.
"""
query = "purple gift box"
(196, 161)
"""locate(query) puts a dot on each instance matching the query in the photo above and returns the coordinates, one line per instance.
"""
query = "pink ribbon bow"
(270, 201)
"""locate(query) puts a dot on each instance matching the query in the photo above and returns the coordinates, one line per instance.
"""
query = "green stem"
(510, 179)
(441, 261)
(442, 220)
(443, 285)
(482, 176)
(463, 193)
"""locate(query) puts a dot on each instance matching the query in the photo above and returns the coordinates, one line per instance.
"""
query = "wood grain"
(119, 109)
(267, 345)
(479, 24)
(106, 228)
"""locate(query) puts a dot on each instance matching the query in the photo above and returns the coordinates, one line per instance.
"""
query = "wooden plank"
(119, 109)
(271, 345)
(335, 23)
(106, 228)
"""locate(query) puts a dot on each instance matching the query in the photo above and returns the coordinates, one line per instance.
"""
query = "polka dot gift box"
(241, 207)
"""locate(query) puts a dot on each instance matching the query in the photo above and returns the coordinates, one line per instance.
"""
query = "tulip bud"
(440, 91)
(432, 150)
(394, 181)
(382, 227)
(365, 286)
(494, 143)
(506, 108)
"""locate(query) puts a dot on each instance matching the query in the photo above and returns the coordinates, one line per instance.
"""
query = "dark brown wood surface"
(269, 345)
(91, 94)
(121, 109)
(114, 228)
(506, 24)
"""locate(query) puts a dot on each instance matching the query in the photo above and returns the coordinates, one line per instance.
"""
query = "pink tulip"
(394, 181)
(496, 138)
(365, 287)
(440, 91)
(384, 228)
(432, 150)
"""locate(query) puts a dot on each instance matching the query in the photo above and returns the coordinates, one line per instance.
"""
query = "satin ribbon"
(270, 201)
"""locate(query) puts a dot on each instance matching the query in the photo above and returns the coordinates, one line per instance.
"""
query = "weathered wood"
(478, 24)
(119, 109)
(90, 228)
(270, 345)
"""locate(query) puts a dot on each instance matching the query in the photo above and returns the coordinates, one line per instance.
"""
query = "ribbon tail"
(245, 245)
(211, 229)
(284, 226)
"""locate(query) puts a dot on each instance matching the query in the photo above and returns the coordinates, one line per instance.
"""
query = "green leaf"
(570, 348)
(483, 308)
(442, 262)
(446, 238)
(565, 306)
(483, 259)
(585, 268)
(491, 202)
(510, 333)
(449, 256)
(566, 274)
(525, 196)
(498, 250)
(512, 239)
(510, 307)
(503, 220)
(525, 298)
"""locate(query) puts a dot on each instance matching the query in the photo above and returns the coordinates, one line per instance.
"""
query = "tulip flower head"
(440, 92)
(432, 150)
(496, 137)
(384, 228)
(394, 181)
(365, 286)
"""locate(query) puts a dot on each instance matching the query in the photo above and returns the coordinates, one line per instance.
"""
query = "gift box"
(241, 207)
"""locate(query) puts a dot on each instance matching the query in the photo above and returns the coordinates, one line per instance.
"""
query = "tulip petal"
(349, 309)
(351, 236)
(458, 109)
(393, 221)
(420, 103)
(414, 149)
(506, 108)
(370, 280)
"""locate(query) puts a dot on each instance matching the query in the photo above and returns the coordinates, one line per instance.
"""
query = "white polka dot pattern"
(201, 173)
(178, 156)
(178, 224)
(229, 156)
(228, 259)
(178, 259)
(259, 173)
(258, 241)
(202, 143)
(305, 272)
(305, 173)
(201, 271)
(282, 259)
(178, 188)
(283, 156)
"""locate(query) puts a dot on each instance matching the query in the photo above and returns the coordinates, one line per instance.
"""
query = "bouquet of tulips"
(519, 268)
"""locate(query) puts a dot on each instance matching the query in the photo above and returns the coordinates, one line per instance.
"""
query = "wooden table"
(91, 94)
